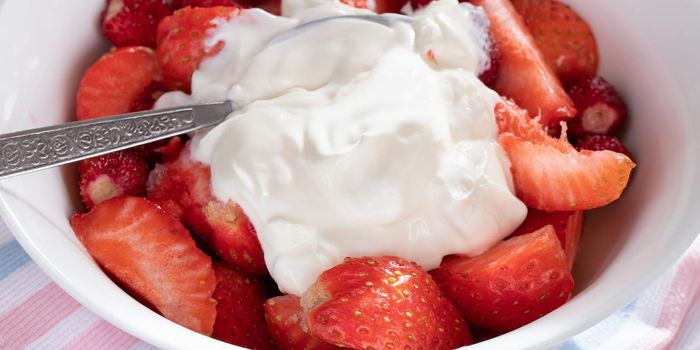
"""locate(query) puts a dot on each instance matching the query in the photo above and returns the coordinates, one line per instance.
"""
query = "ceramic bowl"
(648, 49)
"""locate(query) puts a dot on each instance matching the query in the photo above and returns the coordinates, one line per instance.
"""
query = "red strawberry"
(601, 143)
(285, 321)
(153, 254)
(181, 42)
(133, 22)
(563, 37)
(512, 284)
(111, 175)
(549, 174)
(524, 74)
(489, 75)
(387, 6)
(419, 4)
(121, 81)
(567, 225)
(382, 303)
(183, 188)
(601, 109)
(178, 4)
(240, 318)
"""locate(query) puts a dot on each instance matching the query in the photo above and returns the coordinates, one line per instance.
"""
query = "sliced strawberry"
(567, 225)
(419, 4)
(382, 303)
(152, 253)
(285, 321)
(133, 22)
(240, 318)
(512, 284)
(549, 174)
(111, 175)
(601, 143)
(183, 188)
(181, 42)
(601, 109)
(563, 37)
(118, 82)
(524, 74)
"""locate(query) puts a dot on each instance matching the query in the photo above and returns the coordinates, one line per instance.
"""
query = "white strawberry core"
(356, 139)
(103, 188)
(598, 118)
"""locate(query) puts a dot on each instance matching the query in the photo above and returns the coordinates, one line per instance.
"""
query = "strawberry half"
(240, 318)
(524, 74)
(567, 225)
(563, 37)
(549, 174)
(133, 22)
(489, 75)
(183, 188)
(111, 175)
(149, 251)
(601, 109)
(181, 39)
(512, 284)
(382, 303)
(122, 81)
(285, 321)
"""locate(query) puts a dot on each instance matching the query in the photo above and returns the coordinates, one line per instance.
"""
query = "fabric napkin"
(36, 314)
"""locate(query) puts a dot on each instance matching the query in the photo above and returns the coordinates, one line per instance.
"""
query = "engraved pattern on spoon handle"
(35, 149)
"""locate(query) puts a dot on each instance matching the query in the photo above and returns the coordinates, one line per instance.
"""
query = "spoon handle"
(35, 149)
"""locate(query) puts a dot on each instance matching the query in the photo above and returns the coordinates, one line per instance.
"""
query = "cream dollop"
(353, 138)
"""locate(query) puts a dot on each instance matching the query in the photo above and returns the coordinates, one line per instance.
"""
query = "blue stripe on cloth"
(12, 257)
(569, 345)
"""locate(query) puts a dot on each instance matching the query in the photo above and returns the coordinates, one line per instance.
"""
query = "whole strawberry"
(113, 174)
(240, 318)
(133, 22)
(510, 285)
(601, 110)
(181, 42)
(382, 303)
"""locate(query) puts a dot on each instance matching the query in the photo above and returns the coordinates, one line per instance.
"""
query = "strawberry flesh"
(512, 284)
(122, 81)
(524, 74)
(489, 75)
(133, 22)
(549, 174)
(240, 318)
(567, 225)
(285, 321)
(183, 188)
(148, 250)
(178, 4)
(563, 37)
(601, 109)
(381, 303)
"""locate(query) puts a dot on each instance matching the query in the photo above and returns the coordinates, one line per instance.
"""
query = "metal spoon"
(25, 151)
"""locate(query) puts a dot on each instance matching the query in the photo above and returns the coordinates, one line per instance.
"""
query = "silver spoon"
(35, 149)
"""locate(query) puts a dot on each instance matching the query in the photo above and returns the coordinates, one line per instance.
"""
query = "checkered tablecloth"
(36, 314)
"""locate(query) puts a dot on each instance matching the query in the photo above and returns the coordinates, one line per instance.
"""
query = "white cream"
(356, 139)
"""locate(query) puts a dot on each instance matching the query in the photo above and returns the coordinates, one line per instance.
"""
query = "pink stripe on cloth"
(102, 336)
(29, 320)
(684, 291)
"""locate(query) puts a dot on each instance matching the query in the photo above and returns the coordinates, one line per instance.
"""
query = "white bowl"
(649, 50)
